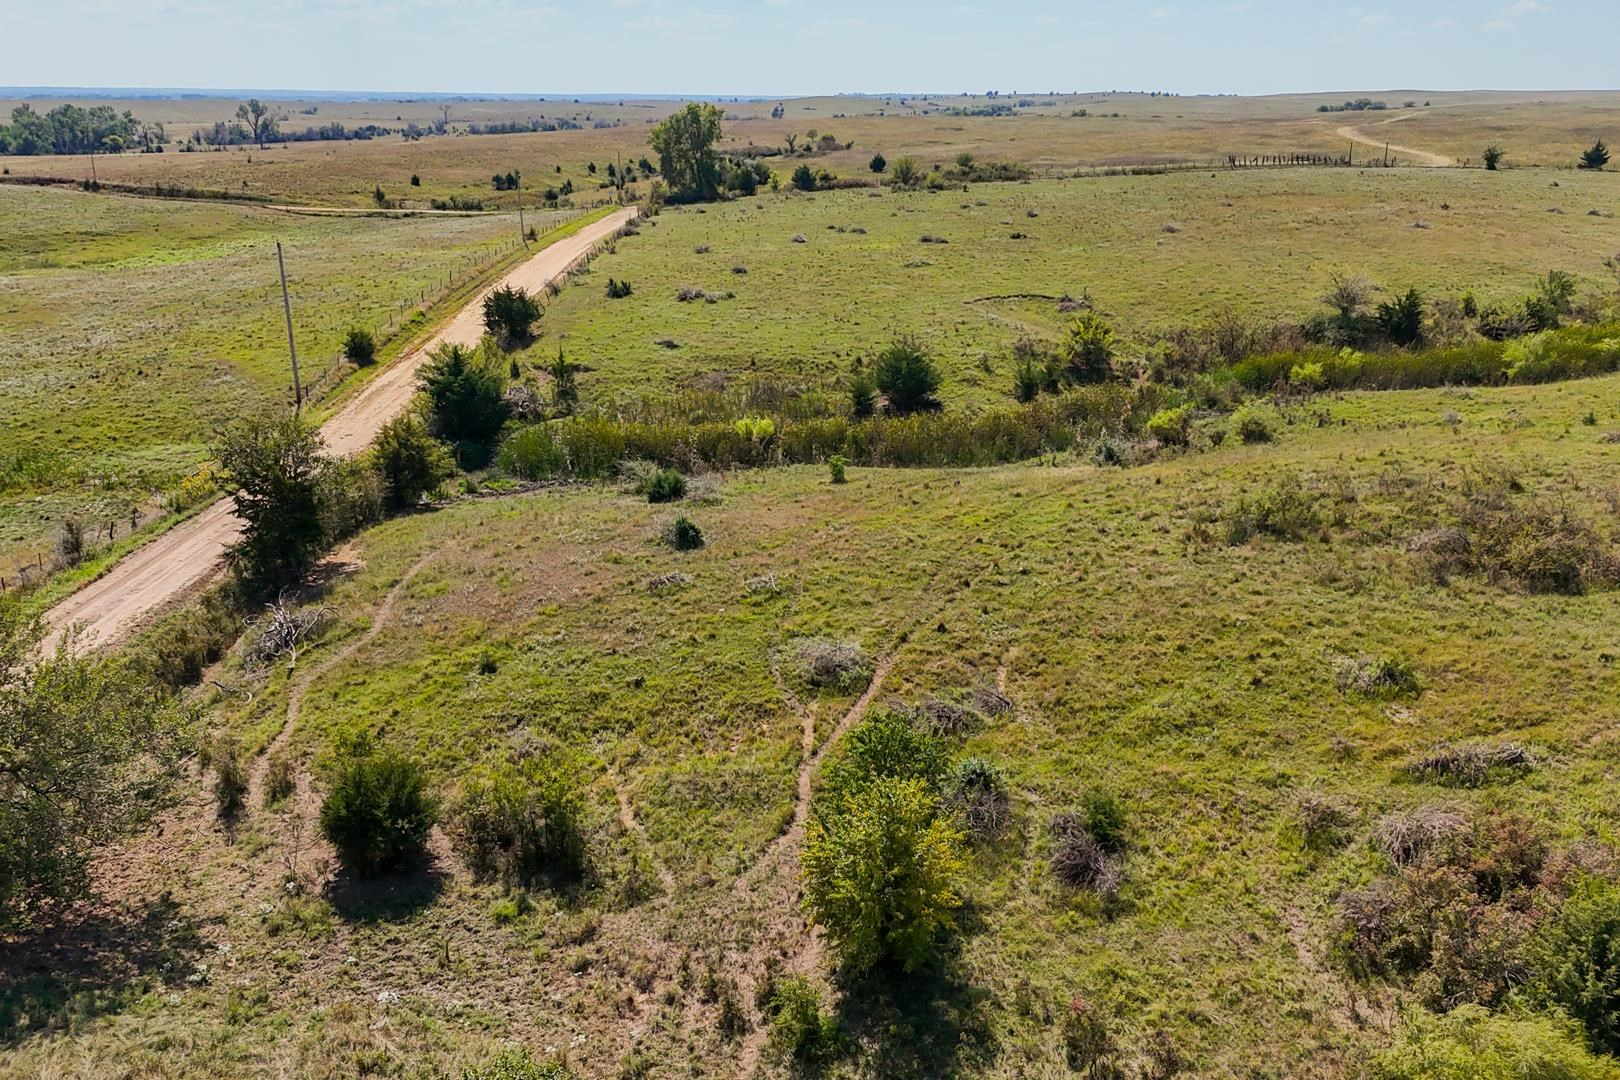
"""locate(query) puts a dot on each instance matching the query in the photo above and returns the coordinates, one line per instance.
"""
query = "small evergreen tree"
(906, 376)
(359, 347)
(1493, 157)
(510, 314)
(804, 178)
(879, 163)
(862, 397)
(465, 403)
(378, 812)
(1088, 350)
(1402, 318)
(274, 469)
(564, 385)
(1596, 157)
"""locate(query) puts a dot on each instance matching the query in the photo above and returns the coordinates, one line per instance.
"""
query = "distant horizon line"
(162, 93)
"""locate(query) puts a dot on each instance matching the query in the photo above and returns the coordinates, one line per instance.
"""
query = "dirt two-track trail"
(108, 608)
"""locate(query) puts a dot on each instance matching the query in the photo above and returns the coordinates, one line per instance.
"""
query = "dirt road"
(108, 608)
(1421, 157)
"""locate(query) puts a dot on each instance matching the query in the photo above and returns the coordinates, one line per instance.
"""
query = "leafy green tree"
(1493, 157)
(261, 119)
(378, 811)
(412, 462)
(882, 872)
(1088, 349)
(88, 747)
(1596, 157)
(906, 376)
(687, 159)
(887, 745)
(1402, 318)
(906, 174)
(510, 314)
(465, 404)
(274, 469)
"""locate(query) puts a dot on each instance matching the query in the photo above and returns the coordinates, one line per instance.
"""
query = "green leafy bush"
(378, 811)
(1470, 1043)
(274, 470)
(888, 745)
(517, 1065)
(411, 461)
(466, 406)
(1088, 349)
(533, 453)
(1170, 426)
(1254, 423)
(618, 290)
(802, 1029)
(882, 870)
(1575, 962)
(835, 469)
(521, 824)
(1286, 511)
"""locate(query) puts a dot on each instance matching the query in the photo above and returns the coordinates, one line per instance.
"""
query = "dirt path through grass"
(107, 609)
(1422, 157)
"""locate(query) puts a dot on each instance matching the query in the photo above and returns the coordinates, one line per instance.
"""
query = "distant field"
(131, 328)
(1193, 680)
(1044, 134)
(1154, 253)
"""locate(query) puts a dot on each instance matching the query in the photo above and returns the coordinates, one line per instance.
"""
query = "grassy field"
(1144, 656)
(1155, 253)
(130, 329)
(1045, 134)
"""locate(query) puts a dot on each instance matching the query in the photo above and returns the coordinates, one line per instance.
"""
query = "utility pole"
(286, 308)
(522, 233)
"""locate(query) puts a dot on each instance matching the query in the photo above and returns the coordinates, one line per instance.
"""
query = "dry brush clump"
(977, 793)
(833, 665)
(1377, 677)
(280, 631)
(1088, 847)
(1503, 536)
(1472, 764)
(1404, 837)
(1453, 916)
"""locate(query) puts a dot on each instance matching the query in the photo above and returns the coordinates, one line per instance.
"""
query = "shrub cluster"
(521, 824)
(378, 811)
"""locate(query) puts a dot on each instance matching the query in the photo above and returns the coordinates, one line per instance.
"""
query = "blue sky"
(780, 47)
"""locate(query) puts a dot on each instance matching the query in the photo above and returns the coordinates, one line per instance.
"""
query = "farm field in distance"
(811, 283)
(1000, 586)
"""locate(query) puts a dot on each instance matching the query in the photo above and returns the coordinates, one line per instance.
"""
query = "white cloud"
(1526, 7)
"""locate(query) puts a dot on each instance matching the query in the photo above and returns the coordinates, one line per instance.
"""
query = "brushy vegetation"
(378, 811)
(521, 825)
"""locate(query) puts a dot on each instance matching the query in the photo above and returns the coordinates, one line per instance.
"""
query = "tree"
(906, 174)
(687, 159)
(510, 314)
(261, 119)
(87, 750)
(1596, 157)
(882, 870)
(1402, 318)
(879, 163)
(906, 376)
(804, 178)
(1088, 350)
(564, 386)
(465, 406)
(412, 462)
(274, 469)
(1493, 156)
(359, 347)
(378, 812)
